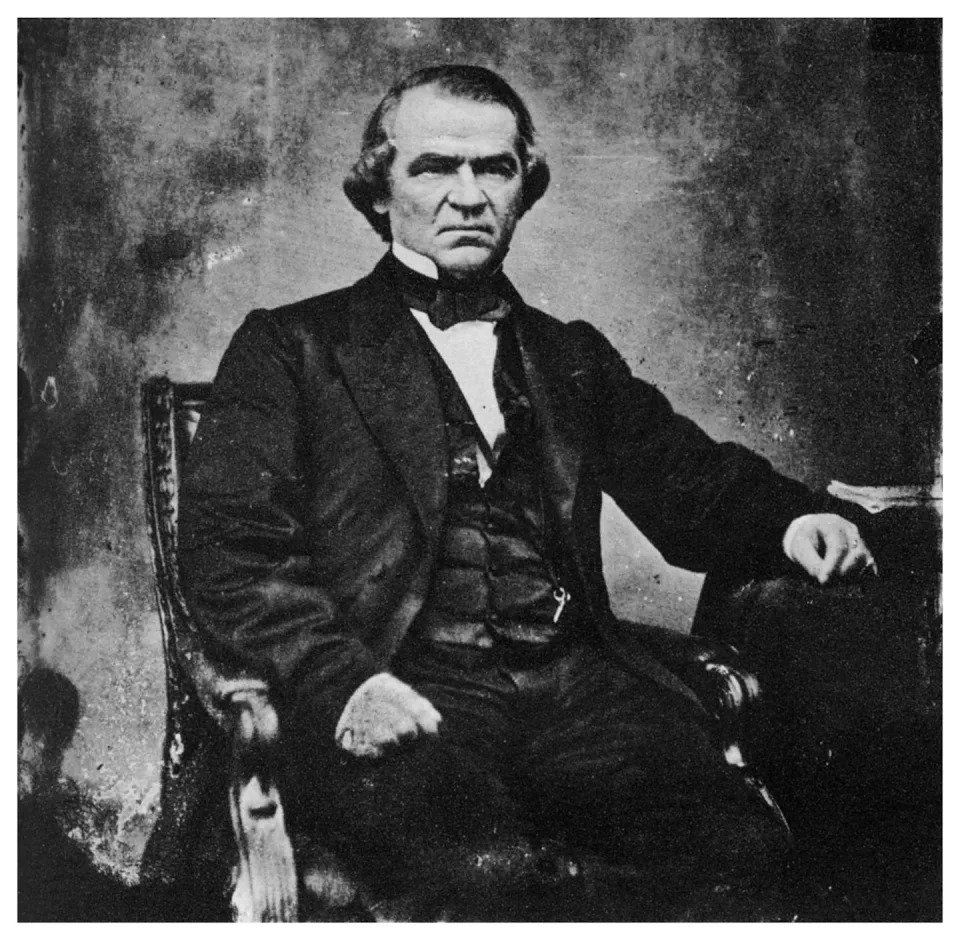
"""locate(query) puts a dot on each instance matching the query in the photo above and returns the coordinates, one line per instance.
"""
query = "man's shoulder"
(327, 302)
(546, 327)
(327, 313)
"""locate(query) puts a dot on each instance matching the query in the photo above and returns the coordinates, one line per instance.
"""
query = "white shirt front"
(469, 350)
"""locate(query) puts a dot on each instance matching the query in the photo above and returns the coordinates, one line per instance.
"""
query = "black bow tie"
(448, 303)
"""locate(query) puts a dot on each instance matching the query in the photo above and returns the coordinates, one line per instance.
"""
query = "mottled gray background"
(749, 210)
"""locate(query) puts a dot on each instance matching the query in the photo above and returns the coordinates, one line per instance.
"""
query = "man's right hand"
(381, 712)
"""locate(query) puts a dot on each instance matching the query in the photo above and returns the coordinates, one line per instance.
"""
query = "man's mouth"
(468, 229)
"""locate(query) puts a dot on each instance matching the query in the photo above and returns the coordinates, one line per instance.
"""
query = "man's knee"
(416, 799)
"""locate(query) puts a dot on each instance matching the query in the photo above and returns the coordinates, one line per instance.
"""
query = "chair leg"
(266, 878)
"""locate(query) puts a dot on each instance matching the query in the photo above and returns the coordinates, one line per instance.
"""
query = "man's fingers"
(835, 547)
(864, 557)
(828, 546)
(428, 717)
(359, 744)
(806, 555)
(403, 725)
(384, 711)
(822, 552)
(853, 560)
(419, 709)
(857, 558)
(369, 737)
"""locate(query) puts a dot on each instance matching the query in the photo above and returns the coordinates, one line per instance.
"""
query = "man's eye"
(499, 171)
(496, 174)
(429, 169)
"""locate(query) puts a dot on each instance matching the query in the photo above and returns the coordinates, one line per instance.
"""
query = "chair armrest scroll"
(680, 651)
(249, 717)
(732, 694)
(715, 673)
(725, 687)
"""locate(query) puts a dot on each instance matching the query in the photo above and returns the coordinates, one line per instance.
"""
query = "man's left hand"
(827, 547)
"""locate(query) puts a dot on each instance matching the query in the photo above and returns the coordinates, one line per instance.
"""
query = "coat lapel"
(550, 373)
(389, 375)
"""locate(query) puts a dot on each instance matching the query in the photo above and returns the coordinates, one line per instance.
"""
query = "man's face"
(455, 183)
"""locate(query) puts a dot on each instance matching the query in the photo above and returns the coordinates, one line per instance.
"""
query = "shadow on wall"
(58, 879)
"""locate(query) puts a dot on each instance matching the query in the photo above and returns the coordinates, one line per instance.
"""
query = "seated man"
(393, 504)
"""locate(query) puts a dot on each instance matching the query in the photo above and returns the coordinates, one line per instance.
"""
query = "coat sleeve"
(703, 504)
(245, 565)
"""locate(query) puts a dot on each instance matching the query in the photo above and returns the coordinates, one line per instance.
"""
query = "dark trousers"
(623, 771)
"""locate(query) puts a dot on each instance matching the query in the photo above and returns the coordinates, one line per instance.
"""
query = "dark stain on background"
(233, 163)
(833, 163)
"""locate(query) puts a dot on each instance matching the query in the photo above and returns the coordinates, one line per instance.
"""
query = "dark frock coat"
(313, 499)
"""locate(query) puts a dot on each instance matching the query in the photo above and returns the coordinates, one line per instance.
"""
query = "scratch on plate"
(224, 254)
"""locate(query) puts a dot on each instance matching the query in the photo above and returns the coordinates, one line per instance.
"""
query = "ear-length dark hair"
(368, 182)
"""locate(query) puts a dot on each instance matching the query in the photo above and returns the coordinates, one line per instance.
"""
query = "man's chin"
(467, 261)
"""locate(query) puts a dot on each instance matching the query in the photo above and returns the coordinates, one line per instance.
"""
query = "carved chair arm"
(732, 693)
(679, 651)
(265, 875)
(714, 672)
(725, 687)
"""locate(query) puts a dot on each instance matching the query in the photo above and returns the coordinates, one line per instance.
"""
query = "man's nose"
(466, 192)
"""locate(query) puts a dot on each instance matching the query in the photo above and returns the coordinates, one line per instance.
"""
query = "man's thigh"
(412, 812)
(622, 764)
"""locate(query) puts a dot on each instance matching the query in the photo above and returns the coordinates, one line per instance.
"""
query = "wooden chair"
(222, 727)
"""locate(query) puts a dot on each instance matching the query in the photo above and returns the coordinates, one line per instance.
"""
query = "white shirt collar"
(420, 263)
(414, 260)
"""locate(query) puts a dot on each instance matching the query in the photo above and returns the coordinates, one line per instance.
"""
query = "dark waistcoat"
(496, 580)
